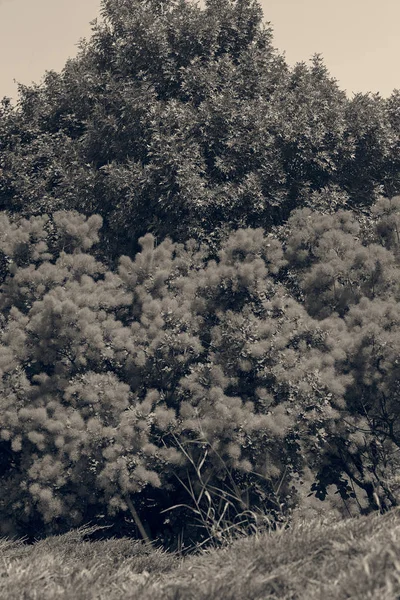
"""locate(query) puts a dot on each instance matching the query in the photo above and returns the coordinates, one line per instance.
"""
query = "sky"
(358, 39)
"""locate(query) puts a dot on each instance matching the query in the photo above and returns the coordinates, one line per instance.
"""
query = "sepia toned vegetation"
(200, 324)
(348, 559)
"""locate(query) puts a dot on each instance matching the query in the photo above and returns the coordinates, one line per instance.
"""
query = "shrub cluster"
(118, 386)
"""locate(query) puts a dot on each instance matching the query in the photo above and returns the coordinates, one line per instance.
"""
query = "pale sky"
(358, 39)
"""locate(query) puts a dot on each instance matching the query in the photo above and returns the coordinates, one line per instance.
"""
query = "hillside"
(354, 559)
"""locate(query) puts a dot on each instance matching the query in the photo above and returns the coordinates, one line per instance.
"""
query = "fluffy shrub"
(124, 390)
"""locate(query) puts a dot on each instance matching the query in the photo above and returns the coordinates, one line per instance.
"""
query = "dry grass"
(354, 558)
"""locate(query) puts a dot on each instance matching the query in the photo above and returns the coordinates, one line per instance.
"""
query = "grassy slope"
(353, 558)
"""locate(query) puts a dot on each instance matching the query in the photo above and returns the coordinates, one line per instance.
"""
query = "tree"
(186, 122)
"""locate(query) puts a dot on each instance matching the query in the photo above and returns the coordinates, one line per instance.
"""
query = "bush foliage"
(117, 384)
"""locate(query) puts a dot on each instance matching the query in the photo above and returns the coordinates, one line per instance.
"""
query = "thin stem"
(137, 520)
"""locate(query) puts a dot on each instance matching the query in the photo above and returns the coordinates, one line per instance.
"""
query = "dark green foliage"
(186, 122)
